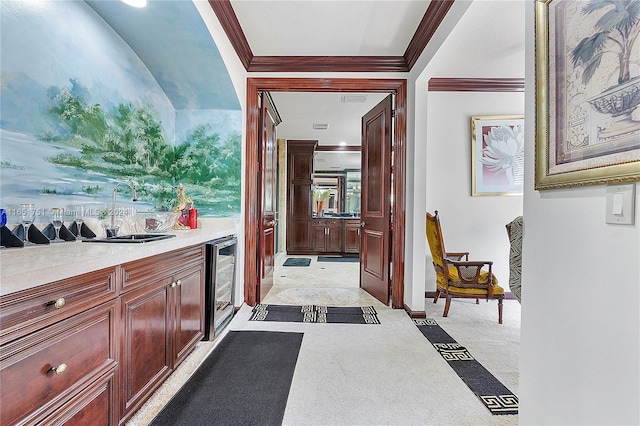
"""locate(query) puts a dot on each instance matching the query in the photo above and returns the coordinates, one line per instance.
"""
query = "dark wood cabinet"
(47, 373)
(91, 349)
(352, 236)
(327, 235)
(307, 234)
(94, 407)
(189, 294)
(163, 319)
(146, 357)
(299, 196)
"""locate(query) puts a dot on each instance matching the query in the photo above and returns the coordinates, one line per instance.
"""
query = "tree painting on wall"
(80, 114)
(128, 143)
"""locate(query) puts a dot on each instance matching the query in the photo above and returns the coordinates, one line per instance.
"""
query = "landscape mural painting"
(81, 112)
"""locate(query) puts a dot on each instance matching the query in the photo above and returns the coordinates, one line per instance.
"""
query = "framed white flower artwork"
(497, 156)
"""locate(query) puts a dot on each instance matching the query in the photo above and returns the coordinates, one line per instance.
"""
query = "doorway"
(252, 206)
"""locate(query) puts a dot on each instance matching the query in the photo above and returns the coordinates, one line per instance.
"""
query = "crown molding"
(476, 85)
(436, 11)
(231, 25)
(431, 20)
(327, 64)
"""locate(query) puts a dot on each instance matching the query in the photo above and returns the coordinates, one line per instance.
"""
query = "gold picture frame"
(585, 135)
(497, 155)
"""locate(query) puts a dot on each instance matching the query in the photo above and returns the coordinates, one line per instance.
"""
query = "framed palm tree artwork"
(587, 92)
(497, 155)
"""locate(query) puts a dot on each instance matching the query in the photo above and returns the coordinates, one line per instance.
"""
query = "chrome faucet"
(113, 200)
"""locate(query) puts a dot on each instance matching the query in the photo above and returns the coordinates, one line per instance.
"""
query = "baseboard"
(415, 314)
(507, 295)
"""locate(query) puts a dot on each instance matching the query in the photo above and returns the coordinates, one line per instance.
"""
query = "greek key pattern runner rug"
(316, 314)
(493, 394)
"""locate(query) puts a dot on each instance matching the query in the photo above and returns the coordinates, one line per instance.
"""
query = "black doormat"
(493, 394)
(316, 314)
(244, 381)
(338, 259)
(297, 261)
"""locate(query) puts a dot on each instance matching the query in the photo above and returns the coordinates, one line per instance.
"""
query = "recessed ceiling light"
(136, 3)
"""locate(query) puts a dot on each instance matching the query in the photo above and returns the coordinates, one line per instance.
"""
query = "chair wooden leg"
(446, 306)
(477, 301)
(435, 296)
(500, 311)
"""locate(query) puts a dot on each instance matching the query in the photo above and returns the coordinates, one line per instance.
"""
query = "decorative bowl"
(156, 221)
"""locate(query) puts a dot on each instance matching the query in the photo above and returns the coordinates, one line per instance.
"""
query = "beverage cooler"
(219, 284)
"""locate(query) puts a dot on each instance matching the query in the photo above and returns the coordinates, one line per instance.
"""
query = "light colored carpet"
(386, 374)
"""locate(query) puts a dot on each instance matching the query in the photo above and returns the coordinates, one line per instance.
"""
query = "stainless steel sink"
(131, 238)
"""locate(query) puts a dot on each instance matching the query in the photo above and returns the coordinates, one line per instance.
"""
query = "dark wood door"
(268, 185)
(376, 201)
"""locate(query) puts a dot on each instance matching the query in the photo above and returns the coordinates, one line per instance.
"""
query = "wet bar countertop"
(28, 267)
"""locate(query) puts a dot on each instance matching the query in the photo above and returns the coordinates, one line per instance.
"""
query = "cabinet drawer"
(94, 406)
(140, 272)
(332, 223)
(26, 311)
(44, 370)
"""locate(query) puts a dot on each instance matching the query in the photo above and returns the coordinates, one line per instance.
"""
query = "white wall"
(473, 224)
(580, 338)
(442, 167)
(415, 239)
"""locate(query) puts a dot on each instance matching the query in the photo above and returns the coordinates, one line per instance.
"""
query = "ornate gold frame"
(615, 173)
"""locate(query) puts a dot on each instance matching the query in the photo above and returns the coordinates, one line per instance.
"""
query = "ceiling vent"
(320, 126)
(353, 99)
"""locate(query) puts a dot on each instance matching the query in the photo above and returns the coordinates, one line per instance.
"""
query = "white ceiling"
(299, 111)
(334, 28)
(329, 28)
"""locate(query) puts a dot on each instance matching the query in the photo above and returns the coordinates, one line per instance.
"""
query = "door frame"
(397, 87)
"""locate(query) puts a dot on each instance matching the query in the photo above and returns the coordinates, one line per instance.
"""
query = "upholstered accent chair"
(515, 230)
(456, 276)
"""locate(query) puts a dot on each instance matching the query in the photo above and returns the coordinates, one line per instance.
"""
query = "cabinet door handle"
(59, 369)
(362, 224)
(173, 284)
(58, 303)
(179, 282)
(358, 231)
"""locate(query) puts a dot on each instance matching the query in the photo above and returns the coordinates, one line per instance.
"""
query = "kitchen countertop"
(337, 217)
(28, 267)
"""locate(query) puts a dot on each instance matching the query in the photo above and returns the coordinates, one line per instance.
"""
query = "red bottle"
(193, 218)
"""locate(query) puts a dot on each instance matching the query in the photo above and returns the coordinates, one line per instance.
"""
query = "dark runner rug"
(244, 381)
(316, 314)
(493, 394)
(297, 261)
(338, 259)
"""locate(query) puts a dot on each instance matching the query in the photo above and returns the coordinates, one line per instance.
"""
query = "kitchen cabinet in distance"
(327, 235)
(351, 236)
(299, 196)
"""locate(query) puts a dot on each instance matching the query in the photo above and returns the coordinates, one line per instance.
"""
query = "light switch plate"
(621, 203)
